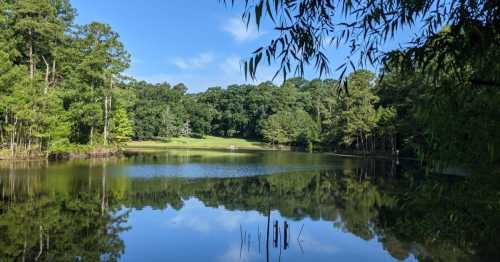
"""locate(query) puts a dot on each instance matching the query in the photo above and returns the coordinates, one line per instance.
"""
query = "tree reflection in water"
(78, 211)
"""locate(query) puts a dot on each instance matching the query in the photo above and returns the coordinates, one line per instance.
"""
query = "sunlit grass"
(208, 142)
(190, 153)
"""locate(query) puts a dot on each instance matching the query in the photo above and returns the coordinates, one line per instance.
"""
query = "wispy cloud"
(231, 65)
(195, 62)
(240, 32)
(154, 78)
(225, 72)
(312, 244)
(235, 253)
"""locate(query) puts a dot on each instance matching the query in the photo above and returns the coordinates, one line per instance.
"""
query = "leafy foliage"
(290, 127)
(122, 129)
(305, 27)
(61, 84)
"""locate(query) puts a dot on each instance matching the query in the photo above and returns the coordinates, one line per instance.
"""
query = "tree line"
(298, 112)
(62, 89)
(443, 122)
(58, 80)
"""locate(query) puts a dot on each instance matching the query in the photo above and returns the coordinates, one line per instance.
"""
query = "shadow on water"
(81, 210)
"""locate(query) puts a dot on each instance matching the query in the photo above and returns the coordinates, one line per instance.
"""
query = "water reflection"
(341, 209)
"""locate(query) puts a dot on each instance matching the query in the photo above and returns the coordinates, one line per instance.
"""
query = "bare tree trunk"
(30, 54)
(107, 108)
(373, 142)
(47, 70)
(91, 134)
(20, 136)
(1, 129)
(47, 74)
(357, 141)
(105, 133)
(53, 80)
(12, 138)
(393, 147)
(29, 141)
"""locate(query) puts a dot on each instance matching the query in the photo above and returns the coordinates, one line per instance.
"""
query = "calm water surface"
(183, 205)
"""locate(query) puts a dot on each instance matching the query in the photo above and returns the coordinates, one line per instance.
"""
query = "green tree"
(354, 117)
(122, 129)
(286, 127)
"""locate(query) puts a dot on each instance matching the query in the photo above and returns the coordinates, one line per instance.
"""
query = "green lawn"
(208, 142)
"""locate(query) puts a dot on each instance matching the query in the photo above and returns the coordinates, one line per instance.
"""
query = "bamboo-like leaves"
(302, 26)
(258, 13)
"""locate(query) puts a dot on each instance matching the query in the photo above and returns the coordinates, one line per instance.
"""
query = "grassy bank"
(68, 152)
(208, 142)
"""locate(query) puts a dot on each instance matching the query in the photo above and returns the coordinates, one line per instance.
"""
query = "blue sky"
(200, 44)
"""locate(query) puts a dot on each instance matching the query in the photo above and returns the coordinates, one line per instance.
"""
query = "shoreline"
(379, 156)
(185, 143)
(100, 152)
(139, 148)
(208, 143)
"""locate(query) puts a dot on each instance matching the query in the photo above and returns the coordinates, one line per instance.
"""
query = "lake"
(192, 205)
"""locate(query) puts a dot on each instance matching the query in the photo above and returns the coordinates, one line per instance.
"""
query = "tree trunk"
(30, 55)
(91, 134)
(373, 142)
(107, 108)
(1, 129)
(29, 140)
(48, 242)
(105, 133)
(12, 138)
(393, 148)
(47, 74)
(53, 80)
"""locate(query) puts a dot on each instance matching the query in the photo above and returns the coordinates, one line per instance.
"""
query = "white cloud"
(231, 65)
(310, 243)
(236, 253)
(240, 32)
(198, 61)
(155, 78)
(231, 221)
(200, 225)
(219, 73)
(233, 71)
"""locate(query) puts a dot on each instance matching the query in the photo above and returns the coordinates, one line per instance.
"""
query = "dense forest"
(63, 89)
(299, 112)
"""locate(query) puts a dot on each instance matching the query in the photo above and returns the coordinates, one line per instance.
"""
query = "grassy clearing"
(194, 153)
(208, 142)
